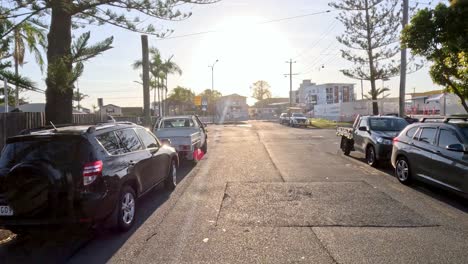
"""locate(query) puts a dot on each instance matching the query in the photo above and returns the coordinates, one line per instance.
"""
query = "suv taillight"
(395, 140)
(91, 171)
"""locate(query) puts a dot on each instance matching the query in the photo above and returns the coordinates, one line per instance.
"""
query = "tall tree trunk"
(59, 93)
(375, 106)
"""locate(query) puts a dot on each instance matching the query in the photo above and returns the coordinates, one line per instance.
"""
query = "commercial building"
(310, 94)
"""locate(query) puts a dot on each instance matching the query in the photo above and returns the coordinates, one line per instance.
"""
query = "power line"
(260, 23)
(322, 37)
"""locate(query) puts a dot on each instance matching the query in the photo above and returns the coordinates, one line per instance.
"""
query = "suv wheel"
(371, 157)
(127, 208)
(171, 179)
(402, 170)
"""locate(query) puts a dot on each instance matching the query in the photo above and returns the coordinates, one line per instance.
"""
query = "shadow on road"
(433, 191)
(97, 246)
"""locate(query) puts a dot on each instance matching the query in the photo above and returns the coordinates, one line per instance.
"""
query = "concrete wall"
(349, 111)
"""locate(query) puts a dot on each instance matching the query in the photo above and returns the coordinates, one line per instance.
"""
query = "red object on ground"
(198, 154)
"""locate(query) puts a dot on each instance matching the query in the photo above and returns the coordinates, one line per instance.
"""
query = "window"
(110, 142)
(128, 140)
(447, 137)
(149, 141)
(175, 123)
(387, 124)
(410, 133)
(363, 123)
(428, 135)
(297, 115)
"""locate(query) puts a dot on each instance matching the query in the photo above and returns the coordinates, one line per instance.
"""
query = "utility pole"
(146, 92)
(290, 80)
(401, 108)
(212, 87)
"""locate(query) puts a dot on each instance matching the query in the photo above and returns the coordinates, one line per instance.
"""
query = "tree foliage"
(371, 39)
(261, 90)
(441, 36)
(180, 99)
(6, 56)
(66, 15)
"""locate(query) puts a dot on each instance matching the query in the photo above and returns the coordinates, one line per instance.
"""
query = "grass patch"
(325, 123)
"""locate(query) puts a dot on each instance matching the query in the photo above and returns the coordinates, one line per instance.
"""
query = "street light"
(212, 85)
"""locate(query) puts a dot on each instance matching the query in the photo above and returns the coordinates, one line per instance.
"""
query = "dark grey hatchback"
(436, 152)
(81, 174)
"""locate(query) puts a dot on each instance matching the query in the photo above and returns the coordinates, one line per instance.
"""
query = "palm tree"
(32, 36)
(155, 63)
(78, 97)
(5, 55)
(168, 67)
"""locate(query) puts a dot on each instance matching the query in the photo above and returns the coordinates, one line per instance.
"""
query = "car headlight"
(384, 141)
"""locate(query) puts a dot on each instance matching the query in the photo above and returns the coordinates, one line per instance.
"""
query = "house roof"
(426, 94)
(111, 105)
(233, 95)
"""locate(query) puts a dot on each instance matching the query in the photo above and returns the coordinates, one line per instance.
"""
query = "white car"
(186, 134)
(284, 118)
(298, 119)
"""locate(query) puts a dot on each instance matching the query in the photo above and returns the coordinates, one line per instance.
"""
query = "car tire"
(345, 146)
(204, 148)
(403, 171)
(170, 182)
(371, 157)
(126, 209)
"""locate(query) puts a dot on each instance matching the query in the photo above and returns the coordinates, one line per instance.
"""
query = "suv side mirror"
(456, 148)
(362, 128)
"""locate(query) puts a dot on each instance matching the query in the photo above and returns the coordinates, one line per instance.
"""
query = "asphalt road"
(267, 193)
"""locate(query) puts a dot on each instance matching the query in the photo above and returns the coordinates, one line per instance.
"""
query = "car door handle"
(436, 151)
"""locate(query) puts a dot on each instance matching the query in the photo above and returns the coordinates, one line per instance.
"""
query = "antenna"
(55, 128)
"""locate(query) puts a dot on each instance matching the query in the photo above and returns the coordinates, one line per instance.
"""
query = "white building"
(110, 109)
(310, 94)
(232, 107)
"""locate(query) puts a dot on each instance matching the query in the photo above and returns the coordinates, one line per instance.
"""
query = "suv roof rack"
(464, 118)
(424, 119)
(36, 129)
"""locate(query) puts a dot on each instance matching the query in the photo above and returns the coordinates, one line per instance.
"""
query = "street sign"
(203, 108)
(197, 100)
(204, 101)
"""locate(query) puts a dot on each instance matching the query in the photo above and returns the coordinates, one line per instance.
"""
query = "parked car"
(81, 174)
(371, 135)
(436, 152)
(284, 118)
(187, 134)
(298, 119)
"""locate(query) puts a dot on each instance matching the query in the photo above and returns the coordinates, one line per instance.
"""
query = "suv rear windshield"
(387, 124)
(57, 150)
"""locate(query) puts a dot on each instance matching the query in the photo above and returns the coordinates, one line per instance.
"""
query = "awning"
(435, 98)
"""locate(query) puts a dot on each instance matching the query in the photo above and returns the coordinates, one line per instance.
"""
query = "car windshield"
(297, 115)
(177, 123)
(387, 124)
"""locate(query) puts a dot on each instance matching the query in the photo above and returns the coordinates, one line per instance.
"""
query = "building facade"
(310, 94)
(232, 108)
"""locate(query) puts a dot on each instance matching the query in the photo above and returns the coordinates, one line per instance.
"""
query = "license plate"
(6, 210)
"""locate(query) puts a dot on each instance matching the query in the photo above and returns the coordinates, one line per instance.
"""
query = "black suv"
(81, 174)
(434, 151)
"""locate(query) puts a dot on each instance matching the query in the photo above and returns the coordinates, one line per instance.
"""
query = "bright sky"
(248, 50)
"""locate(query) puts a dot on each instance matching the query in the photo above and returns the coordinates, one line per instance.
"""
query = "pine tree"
(371, 40)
